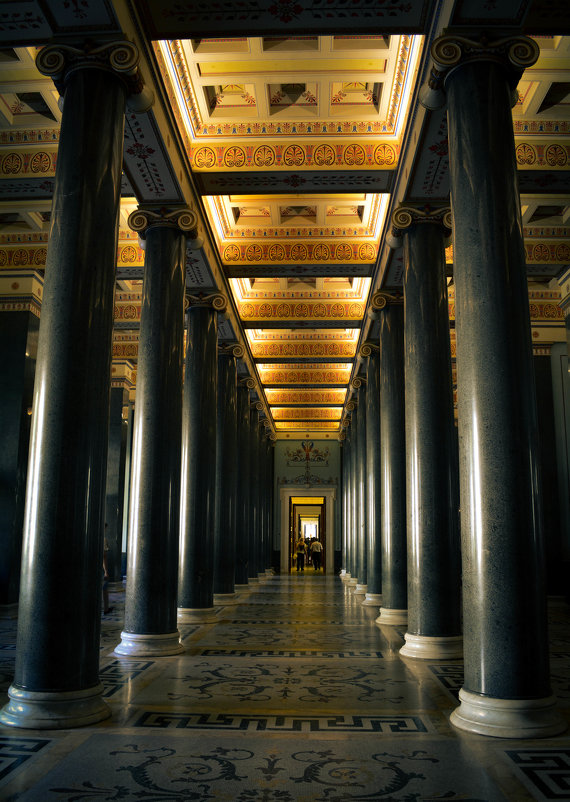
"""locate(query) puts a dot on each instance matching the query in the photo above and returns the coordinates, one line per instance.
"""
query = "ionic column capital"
(381, 300)
(357, 382)
(215, 300)
(231, 349)
(184, 219)
(367, 348)
(248, 383)
(406, 217)
(514, 53)
(59, 61)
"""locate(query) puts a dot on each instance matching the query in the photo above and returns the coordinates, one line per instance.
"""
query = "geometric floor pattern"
(293, 693)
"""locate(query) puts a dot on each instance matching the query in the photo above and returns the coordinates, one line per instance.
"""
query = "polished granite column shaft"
(262, 520)
(392, 464)
(18, 348)
(353, 495)
(347, 512)
(506, 690)
(372, 478)
(253, 536)
(361, 532)
(56, 682)
(226, 479)
(154, 525)
(243, 487)
(343, 500)
(115, 486)
(434, 625)
(199, 418)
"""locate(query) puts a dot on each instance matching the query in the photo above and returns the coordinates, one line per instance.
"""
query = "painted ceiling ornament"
(449, 51)
(58, 61)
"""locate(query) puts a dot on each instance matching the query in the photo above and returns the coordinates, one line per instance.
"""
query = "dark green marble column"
(253, 537)
(243, 487)
(114, 494)
(152, 557)
(199, 423)
(506, 689)
(394, 608)
(56, 682)
(373, 596)
(361, 531)
(18, 349)
(226, 477)
(434, 622)
(343, 503)
(353, 580)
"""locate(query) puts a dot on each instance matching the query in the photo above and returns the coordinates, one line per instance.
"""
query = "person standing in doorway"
(301, 550)
(316, 553)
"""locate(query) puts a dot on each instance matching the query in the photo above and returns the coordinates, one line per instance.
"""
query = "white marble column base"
(225, 598)
(134, 644)
(262, 576)
(196, 615)
(508, 718)
(9, 611)
(430, 647)
(372, 600)
(359, 590)
(253, 580)
(392, 617)
(344, 575)
(116, 587)
(241, 588)
(352, 582)
(54, 710)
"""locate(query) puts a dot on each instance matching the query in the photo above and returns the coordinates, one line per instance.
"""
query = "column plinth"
(197, 615)
(53, 710)
(426, 647)
(389, 615)
(507, 718)
(372, 600)
(135, 644)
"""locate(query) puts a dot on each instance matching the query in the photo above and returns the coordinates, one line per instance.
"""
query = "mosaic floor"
(293, 694)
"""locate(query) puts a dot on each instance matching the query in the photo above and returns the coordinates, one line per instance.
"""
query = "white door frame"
(329, 494)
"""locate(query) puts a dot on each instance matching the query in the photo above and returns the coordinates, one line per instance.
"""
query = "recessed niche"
(240, 45)
(360, 42)
(292, 43)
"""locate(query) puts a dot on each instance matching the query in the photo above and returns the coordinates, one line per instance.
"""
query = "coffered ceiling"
(294, 129)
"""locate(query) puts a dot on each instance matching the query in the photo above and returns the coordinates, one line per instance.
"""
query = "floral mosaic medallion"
(224, 768)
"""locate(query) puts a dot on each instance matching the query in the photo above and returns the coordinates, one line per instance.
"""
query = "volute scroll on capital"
(216, 300)
(380, 300)
(449, 51)
(231, 349)
(184, 219)
(59, 60)
(357, 382)
(405, 217)
(248, 382)
(367, 348)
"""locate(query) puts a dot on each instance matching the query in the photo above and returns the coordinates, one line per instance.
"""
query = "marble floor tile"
(174, 767)
(293, 693)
